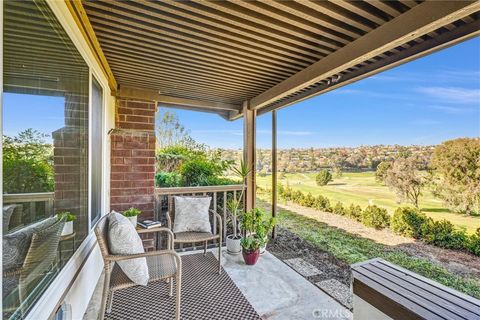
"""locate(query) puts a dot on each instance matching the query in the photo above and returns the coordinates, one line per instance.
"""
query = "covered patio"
(237, 59)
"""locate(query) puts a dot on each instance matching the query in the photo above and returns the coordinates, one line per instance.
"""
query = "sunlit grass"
(352, 248)
(362, 189)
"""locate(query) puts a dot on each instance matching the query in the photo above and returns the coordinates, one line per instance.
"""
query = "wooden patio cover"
(219, 56)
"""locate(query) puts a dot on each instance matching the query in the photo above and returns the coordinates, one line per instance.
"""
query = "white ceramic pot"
(233, 245)
(133, 221)
(264, 247)
(67, 228)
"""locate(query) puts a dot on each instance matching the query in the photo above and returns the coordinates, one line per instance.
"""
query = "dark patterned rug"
(205, 295)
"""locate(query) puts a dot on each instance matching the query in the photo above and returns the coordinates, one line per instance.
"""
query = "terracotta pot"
(233, 245)
(250, 257)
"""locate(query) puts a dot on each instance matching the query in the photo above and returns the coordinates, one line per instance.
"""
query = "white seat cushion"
(123, 239)
(191, 214)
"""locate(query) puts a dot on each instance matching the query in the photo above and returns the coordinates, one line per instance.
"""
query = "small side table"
(155, 239)
(66, 237)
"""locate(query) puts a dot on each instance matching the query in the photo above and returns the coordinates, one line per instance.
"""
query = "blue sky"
(423, 102)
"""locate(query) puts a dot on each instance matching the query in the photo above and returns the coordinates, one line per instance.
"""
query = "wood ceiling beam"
(422, 19)
(80, 16)
(136, 93)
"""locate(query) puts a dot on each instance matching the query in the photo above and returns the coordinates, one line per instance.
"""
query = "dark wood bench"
(383, 290)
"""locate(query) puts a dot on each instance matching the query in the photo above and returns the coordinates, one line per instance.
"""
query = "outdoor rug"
(205, 295)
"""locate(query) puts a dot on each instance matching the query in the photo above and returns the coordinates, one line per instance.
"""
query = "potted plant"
(251, 249)
(251, 242)
(132, 214)
(263, 228)
(234, 208)
(69, 218)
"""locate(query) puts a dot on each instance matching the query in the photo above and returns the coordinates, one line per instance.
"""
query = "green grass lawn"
(361, 188)
(352, 248)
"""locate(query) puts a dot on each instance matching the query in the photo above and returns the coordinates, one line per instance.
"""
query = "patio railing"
(31, 206)
(220, 195)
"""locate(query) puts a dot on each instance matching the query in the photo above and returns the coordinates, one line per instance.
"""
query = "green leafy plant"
(375, 217)
(251, 243)
(473, 243)
(132, 212)
(323, 177)
(66, 216)
(339, 209)
(443, 234)
(408, 221)
(354, 212)
(168, 179)
(255, 228)
(242, 171)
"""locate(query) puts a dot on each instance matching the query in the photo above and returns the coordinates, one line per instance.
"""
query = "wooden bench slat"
(403, 294)
(454, 310)
(397, 307)
(433, 288)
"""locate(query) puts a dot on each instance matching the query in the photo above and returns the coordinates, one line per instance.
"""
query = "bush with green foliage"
(323, 177)
(381, 171)
(408, 221)
(307, 201)
(168, 179)
(473, 243)
(322, 203)
(443, 234)
(339, 209)
(375, 217)
(27, 163)
(354, 212)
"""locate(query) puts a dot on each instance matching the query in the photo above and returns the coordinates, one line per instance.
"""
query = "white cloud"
(452, 94)
(455, 109)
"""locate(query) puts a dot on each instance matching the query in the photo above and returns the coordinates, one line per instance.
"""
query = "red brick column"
(70, 162)
(133, 158)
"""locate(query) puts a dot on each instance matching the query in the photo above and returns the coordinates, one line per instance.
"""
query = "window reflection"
(45, 149)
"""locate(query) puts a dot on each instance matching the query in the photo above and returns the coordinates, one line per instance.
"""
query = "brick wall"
(71, 162)
(133, 159)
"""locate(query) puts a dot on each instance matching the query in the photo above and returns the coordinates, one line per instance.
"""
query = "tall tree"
(170, 132)
(27, 163)
(381, 172)
(457, 174)
(406, 180)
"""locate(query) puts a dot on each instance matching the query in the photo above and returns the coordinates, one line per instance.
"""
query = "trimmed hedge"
(408, 221)
(405, 221)
(375, 217)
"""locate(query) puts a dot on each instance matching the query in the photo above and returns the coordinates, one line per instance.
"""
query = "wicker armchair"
(162, 264)
(39, 261)
(195, 237)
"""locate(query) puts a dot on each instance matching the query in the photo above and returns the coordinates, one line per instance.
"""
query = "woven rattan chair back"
(101, 232)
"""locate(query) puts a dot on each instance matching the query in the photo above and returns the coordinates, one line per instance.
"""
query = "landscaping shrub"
(339, 209)
(408, 221)
(473, 243)
(354, 212)
(323, 177)
(308, 201)
(297, 196)
(443, 234)
(322, 203)
(168, 179)
(375, 217)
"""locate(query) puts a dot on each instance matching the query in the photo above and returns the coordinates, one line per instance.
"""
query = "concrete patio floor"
(276, 291)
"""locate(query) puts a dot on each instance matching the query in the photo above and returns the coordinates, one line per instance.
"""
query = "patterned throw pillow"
(191, 214)
(7, 214)
(123, 239)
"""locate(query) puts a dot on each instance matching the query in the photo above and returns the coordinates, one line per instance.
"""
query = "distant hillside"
(348, 159)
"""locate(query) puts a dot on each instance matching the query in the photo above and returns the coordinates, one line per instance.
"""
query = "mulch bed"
(288, 245)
